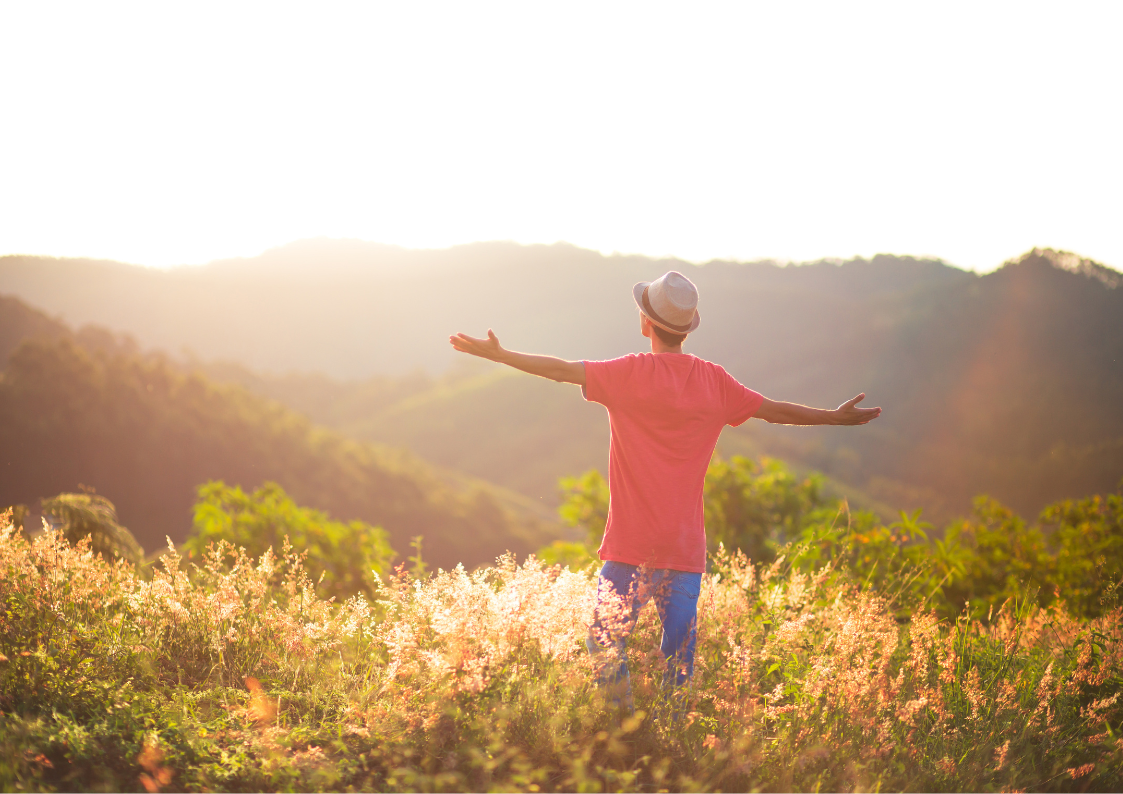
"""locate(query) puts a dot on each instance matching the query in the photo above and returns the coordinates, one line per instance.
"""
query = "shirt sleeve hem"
(758, 400)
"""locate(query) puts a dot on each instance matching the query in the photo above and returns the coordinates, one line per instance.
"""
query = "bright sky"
(163, 133)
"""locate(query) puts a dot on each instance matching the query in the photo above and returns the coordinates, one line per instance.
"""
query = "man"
(666, 410)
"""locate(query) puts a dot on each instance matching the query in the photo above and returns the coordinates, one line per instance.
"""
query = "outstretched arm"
(546, 366)
(781, 413)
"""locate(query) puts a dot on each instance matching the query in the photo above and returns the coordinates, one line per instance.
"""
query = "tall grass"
(231, 674)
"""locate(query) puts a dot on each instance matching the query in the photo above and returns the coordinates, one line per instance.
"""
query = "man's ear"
(644, 325)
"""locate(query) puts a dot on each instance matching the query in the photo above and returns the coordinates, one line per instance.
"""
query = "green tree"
(1087, 538)
(342, 557)
(1001, 558)
(757, 506)
(585, 504)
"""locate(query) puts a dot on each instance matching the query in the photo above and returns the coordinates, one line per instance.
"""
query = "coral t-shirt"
(666, 412)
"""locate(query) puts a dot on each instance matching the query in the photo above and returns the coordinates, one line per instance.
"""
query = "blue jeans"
(622, 591)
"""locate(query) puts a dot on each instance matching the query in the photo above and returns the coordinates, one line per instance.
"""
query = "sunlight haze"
(171, 134)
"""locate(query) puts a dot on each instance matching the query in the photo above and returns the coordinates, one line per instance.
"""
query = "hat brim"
(637, 293)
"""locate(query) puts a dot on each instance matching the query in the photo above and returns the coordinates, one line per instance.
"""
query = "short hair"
(669, 339)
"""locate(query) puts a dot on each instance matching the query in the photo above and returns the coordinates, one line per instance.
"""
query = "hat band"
(682, 329)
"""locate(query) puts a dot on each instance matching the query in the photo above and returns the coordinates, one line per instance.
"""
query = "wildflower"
(1044, 694)
(1000, 754)
(1092, 711)
(908, 712)
(1080, 771)
(974, 691)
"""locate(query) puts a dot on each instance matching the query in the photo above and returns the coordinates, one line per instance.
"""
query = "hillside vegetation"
(144, 434)
(1006, 383)
(232, 675)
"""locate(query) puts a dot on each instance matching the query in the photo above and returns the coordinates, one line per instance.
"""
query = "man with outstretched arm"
(666, 410)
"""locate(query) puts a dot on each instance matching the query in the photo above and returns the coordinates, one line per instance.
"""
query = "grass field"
(229, 674)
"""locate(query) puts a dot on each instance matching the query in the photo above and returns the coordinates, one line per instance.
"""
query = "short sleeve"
(741, 402)
(602, 377)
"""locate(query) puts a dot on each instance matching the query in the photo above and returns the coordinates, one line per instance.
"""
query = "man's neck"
(657, 346)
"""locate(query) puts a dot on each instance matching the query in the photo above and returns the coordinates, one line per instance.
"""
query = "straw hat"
(670, 301)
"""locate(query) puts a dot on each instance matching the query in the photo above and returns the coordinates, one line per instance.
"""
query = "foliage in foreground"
(234, 676)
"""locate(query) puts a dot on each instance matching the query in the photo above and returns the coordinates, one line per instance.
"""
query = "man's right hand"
(544, 366)
(484, 348)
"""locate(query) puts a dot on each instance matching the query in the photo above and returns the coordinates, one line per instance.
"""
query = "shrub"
(1087, 538)
(344, 559)
(758, 507)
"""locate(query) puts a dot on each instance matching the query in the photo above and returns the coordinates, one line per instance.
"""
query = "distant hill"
(145, 435)
(1007, 383)
(19, 322)
(353, 310)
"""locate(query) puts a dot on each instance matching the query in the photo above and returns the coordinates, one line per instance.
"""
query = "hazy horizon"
(608, 254)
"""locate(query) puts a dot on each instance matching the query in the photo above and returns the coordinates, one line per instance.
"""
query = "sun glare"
(168, 134)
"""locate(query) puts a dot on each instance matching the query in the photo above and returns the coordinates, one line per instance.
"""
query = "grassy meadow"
(231, 672)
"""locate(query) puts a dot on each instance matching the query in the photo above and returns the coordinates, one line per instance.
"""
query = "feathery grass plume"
(83, 515)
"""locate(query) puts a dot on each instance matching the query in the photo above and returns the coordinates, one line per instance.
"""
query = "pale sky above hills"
(165, 134)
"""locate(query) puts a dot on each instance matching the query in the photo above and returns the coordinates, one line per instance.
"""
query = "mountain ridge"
(1071, 263)
(989, 382)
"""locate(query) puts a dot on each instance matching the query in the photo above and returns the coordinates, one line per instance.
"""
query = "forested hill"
(145, 435)
(20, 322)
(1007, 383)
